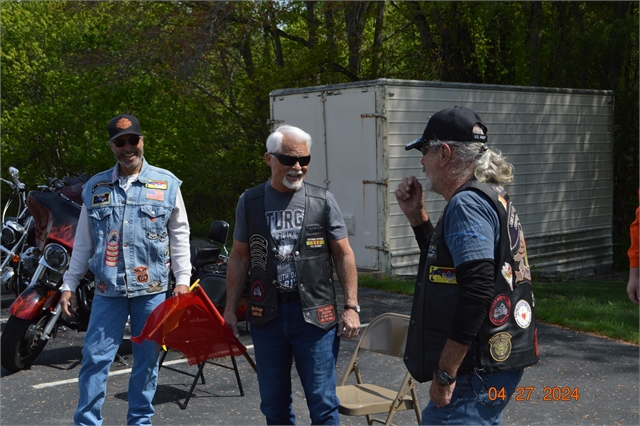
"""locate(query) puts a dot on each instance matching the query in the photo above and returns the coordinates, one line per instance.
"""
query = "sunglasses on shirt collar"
(120, 142)
(288, 160)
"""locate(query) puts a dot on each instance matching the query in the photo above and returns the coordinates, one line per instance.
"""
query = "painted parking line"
(111, 373)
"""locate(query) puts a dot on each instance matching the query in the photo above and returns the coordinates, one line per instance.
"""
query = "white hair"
(274, 141)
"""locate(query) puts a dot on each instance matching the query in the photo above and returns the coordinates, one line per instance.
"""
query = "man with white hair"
(473, 328)
(288, 236)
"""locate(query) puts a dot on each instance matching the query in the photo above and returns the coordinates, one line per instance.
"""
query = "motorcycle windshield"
(55, 218)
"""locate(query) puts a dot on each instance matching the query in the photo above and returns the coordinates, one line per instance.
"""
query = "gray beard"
(295, 186)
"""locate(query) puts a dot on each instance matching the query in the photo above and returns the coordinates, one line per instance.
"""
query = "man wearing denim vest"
(133, 229)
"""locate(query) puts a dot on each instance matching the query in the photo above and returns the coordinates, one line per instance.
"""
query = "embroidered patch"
(431, 252)
(113, 249)
(315, 242)
(439, 274)
(154, 286)
(500, 310)
(155, 194)
(124, 123)
(258, 247)
(500, 346)
(502, 201)
(142, 274)
(314, 227)
(102, 183)
(257, 291)
(507, 273)
(326, 314)
(257, 311)
(164, 236)
(101, 287)
(101, 199)
(156, 184)
(152, 236)
(523, 314)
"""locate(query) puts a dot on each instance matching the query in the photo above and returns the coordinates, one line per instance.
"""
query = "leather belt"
(289, 296)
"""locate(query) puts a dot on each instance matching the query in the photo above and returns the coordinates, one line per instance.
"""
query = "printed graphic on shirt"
(440, 274)
(326, 314)
(156, 184)
(500, 310)
(101, 199)
(155, 194)
(258, 249)
(285, 226)
(523, 314)
(500, 346)
(113, 249)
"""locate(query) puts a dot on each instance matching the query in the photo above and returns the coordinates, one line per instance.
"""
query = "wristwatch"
(444, 378)
(355, 307)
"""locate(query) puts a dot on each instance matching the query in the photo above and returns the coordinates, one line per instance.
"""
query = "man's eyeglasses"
(288, 160)
(133, 141)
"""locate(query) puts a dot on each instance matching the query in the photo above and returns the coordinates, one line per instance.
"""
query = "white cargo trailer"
(559, 140)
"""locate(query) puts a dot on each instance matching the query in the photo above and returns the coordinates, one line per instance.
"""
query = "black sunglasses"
(133, 141)
(287, 160)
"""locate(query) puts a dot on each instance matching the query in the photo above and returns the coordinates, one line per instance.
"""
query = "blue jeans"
(470, 403)
(104, 335)
(315, 351)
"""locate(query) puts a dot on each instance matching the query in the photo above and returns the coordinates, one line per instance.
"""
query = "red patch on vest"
(326, 314)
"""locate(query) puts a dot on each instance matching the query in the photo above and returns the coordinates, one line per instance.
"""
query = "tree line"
(198, 75)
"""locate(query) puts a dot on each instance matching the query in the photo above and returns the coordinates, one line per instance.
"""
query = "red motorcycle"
(35, 315)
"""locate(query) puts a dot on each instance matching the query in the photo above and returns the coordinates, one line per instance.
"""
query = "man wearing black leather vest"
(473, 327)
(288, 236)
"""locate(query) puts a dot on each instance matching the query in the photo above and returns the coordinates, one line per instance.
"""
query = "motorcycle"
(35, 315)
(209, 265)
(17, 252)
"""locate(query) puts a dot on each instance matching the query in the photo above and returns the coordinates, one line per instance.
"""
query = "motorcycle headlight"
(56, 256)
(11, 232)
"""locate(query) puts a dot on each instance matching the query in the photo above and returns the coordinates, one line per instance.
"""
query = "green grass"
(596, 306)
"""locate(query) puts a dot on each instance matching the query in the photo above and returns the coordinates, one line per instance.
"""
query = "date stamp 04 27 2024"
(526, 393)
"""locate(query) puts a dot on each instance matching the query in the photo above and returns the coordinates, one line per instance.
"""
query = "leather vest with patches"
(507, 339)
(312, 258)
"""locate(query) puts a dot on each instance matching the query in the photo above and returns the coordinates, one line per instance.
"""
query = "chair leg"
(235, 369)
(193, 385)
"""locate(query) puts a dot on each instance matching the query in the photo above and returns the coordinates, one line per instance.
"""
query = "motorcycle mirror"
(14, 172)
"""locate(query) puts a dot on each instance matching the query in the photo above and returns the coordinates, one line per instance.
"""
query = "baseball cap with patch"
(123, 125)
(451, 124)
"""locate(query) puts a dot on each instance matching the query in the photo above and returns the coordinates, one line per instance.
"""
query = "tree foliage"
(198, 75)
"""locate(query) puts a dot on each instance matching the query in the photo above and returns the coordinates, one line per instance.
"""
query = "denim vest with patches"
(129, 230)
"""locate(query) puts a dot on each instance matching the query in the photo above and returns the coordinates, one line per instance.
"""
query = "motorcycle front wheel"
(20, 341)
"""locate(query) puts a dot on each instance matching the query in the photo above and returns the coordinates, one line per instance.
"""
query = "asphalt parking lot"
(602, 375)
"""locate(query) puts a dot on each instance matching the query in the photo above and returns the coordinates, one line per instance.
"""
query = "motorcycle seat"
(203, 253)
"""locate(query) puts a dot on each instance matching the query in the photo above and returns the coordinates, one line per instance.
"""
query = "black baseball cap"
(123, 125)
(451, 124)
